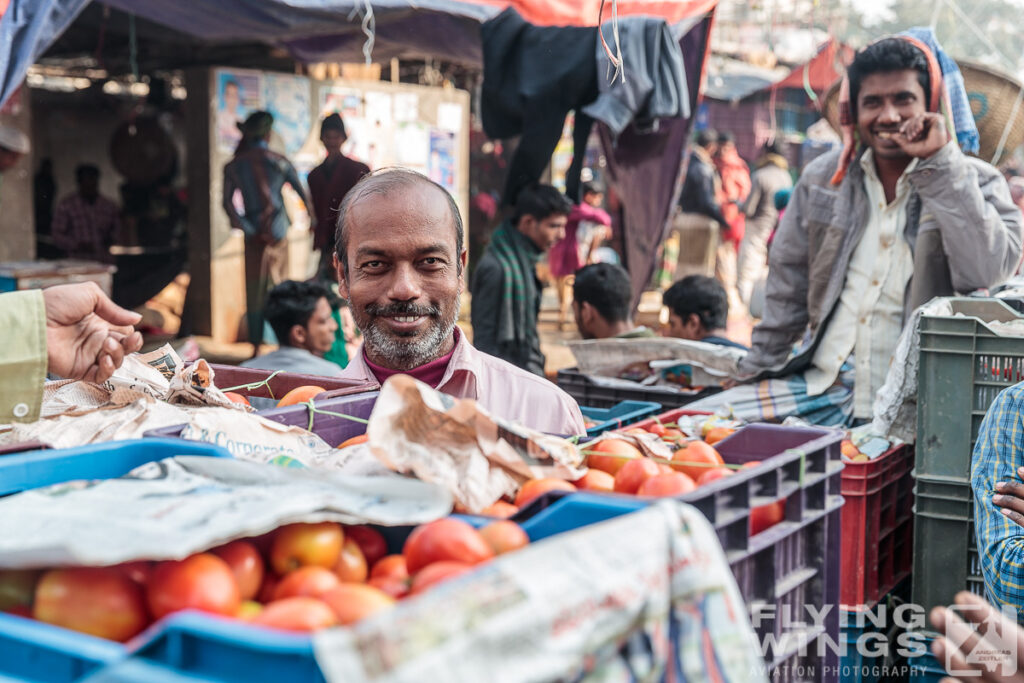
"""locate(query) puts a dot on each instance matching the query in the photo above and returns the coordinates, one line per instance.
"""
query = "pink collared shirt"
(501, 388)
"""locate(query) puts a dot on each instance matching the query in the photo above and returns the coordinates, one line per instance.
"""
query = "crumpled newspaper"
(456, 444)
(895, 407)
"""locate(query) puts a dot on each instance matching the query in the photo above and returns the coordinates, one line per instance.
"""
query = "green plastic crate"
(964, 365)
(945, 548)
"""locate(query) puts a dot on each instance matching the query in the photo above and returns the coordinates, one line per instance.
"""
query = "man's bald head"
(386, 182)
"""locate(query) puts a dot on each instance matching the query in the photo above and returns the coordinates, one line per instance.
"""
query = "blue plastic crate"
(33, 469)
(619, 415)
(925, 668)
(856, 667)
(38, 652)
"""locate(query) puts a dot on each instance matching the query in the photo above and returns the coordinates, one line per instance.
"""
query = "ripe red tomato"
(353, 602)
(595, 480)
(713, 475)
(246, 564)
(202, 581)
(500, 509)
(136, 570)
(437, 572)
(268, 587)
(307, 582)
(394, 587)
(657, 429)
(351, 564)
(237, 398)
(301, 545)
(100, 601)
(296, 614)
(634, 473)
(444, 539)
(537, 487)
(504, 536)
(664, 485)
(370, 541)
(767, 516)
(610, 455)
(390, 566)
(695, 458)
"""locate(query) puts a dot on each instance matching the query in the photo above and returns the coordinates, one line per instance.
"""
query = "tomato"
(444, 539)
(766, 516)
(370, 541)
(352, 602)
(396, 588)
(354, 441)
(848, 449)
(436, 573)
(20, 611)
(390, 566)
(138, 571)
(657, 429)
(17, 586)
(695, 458)
(664, 485)
(301, 545)
(300, 395)
(716, 434)
(351, 564)
(500, 508)
(99, 601)
(202, 581)
(267, 588)
(750, 465)
(248, 610)
(595, 480)
(246, 564)
(308, 582)
(236, 398)
(672, 435)
(713, 474)
(634, 473)
(610, 455)
(534, 488)
(296, 614)
(504, 536)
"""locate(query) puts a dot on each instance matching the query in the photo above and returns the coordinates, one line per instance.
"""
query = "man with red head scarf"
(900, 215)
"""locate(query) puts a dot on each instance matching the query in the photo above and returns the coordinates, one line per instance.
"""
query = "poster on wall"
(344, 101)
(288, 99)
(412, 146)
(239, 93)
(441, 167)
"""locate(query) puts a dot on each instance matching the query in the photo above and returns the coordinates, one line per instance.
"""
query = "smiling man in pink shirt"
(400, 261)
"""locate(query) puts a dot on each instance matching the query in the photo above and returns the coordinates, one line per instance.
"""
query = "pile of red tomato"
(300, 577)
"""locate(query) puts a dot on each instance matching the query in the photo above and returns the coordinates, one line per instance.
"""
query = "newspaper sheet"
(172, 508)
(643, 597)
(456, 444)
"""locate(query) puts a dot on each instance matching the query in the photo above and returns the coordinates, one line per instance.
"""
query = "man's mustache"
(405, 309)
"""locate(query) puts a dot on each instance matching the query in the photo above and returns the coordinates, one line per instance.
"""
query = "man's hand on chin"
(921, 136)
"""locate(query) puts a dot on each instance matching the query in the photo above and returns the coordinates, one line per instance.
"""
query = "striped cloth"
(998, 452)
(773, 400)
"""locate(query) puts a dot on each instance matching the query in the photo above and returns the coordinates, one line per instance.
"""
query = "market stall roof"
(317, 30)
(824, 69)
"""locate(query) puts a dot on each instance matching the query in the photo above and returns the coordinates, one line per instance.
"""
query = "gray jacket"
(963, 229)
(760, 205)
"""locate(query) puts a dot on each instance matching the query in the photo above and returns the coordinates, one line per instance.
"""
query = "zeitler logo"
(989, 645)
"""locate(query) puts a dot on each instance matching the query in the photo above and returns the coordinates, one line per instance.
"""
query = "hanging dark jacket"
(533, 77)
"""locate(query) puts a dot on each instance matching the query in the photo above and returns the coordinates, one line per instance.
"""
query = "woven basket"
(992, 95)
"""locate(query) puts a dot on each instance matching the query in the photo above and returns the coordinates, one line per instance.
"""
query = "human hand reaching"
(87, 334)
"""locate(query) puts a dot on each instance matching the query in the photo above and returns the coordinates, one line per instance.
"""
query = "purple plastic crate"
(276, 386)
(334, 430)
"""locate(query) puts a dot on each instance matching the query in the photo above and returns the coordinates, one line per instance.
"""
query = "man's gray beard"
(408, 354)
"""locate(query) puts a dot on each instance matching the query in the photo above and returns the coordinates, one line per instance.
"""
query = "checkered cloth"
(86, 229)
(773, 400)
(998, 453)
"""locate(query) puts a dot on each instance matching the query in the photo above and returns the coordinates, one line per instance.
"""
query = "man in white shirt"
(300, 315)
(871, 233)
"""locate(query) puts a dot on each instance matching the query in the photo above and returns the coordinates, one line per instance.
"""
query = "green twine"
(256, 385)
(314, 411)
